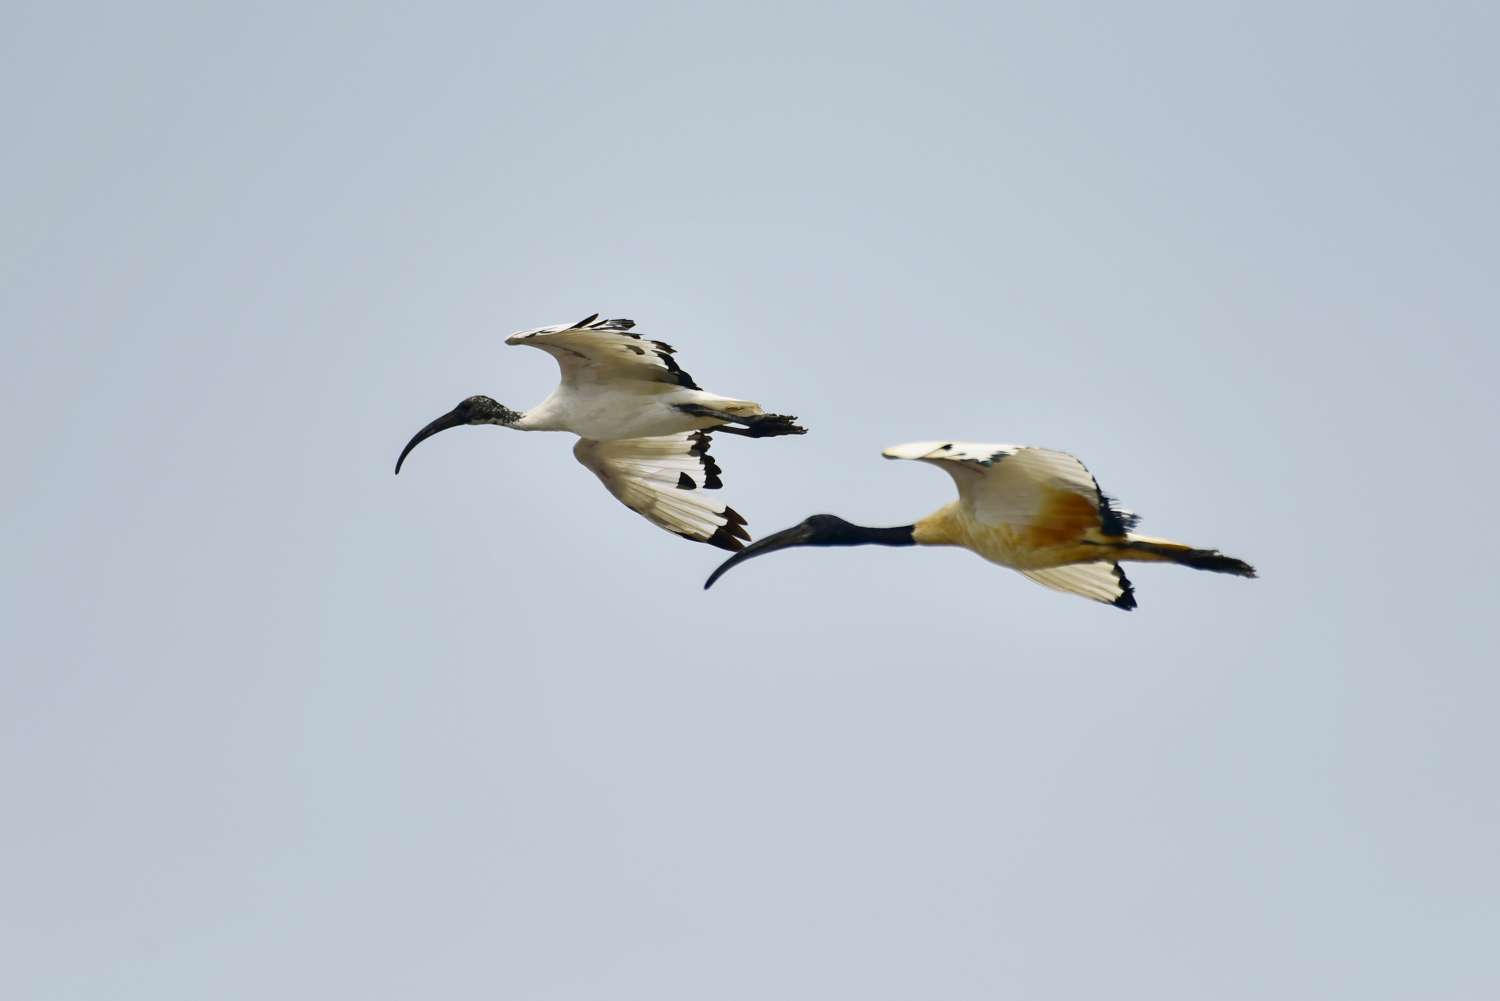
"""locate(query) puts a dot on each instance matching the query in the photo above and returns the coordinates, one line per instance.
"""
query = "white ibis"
(642, 424)
(1031, 509)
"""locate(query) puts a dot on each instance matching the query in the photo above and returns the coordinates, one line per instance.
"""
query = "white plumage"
(642, 422)
(660, 479)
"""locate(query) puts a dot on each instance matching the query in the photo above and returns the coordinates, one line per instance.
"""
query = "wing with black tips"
(1036, 491)
(664, 481)
(594, 350)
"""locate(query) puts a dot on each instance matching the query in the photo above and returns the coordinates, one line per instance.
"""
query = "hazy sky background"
(275, 723)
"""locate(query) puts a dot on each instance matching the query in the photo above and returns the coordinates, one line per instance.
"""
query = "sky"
(275, 723)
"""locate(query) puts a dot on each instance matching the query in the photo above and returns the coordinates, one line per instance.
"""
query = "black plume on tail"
(1215, 561)
(774, 425)
(1199, 559)
(757, 426)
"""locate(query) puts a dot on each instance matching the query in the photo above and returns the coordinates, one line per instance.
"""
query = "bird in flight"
(643, 425)
(1031, 509)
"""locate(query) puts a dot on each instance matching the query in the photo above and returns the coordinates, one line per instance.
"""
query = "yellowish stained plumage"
(1035, 510)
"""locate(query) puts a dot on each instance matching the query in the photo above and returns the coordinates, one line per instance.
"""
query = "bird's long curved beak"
(449, 420)
(797, 535)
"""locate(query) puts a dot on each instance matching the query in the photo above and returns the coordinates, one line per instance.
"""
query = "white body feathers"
(616, 385)
(624, 396)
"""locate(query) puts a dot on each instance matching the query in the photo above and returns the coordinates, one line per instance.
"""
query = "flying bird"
(1031, 509)
(642, 424)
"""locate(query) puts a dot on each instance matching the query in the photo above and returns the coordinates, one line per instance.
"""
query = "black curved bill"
(451, 419)
(797, 535)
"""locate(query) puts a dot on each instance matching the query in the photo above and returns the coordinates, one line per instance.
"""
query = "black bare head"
(818, 530)
(474, 410)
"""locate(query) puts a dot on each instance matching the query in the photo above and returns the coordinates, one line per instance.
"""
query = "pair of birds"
(644, 428)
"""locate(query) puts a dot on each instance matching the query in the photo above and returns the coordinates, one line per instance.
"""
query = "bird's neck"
(541, 418)
(508, 418)
(901, 535)
(943, 527)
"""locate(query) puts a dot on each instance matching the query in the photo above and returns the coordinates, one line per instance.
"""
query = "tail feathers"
(1160, 550)
(756, 423)
(775, 425)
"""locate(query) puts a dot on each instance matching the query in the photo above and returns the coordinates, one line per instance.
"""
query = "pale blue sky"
(277, 724)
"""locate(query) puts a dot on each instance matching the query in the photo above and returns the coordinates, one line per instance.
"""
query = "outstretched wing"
(595, 350)
(1044, 496)
(663, 480)
(1104, 582)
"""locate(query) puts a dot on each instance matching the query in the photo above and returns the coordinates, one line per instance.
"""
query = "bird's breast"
(1007, 545)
